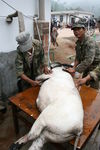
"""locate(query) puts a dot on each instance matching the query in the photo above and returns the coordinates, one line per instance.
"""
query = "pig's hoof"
(15, 146)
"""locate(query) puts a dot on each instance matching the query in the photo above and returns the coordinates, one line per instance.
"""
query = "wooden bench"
(26, 101)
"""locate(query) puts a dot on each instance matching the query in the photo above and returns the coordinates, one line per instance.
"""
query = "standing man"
(54, 34)
(30, 61)
(87, 53)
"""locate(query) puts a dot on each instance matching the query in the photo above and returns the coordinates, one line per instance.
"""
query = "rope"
(49, 42)
(49, 39)
(8, 5)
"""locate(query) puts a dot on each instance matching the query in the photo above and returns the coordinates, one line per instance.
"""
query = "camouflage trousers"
(94, 84)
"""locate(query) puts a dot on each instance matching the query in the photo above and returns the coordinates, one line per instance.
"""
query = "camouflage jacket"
(87, 54)
(95, 74)
(38, 61)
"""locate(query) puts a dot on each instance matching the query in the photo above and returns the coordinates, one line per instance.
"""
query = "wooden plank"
(91, 104)
(26, 101)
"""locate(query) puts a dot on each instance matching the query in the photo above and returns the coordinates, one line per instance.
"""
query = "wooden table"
(26, 101)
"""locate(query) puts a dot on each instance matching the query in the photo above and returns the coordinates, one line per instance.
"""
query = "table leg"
(15, 118)
(99, 127)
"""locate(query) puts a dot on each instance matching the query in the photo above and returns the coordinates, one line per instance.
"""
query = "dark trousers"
(22, 85)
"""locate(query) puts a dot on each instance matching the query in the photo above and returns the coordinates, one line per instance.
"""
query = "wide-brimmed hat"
(25, 41)
(78, 25)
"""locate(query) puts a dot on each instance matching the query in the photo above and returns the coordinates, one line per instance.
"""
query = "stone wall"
(8, 80)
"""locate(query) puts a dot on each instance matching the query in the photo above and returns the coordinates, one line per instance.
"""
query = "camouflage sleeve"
(95, 74)
(19, 64)
(77, 46)
(45, 59)
(39, 48)
(89, 57)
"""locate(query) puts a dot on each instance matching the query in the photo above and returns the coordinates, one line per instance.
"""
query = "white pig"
(61, 117)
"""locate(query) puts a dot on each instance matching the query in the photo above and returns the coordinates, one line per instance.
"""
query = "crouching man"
(87, 54)
(30, 61)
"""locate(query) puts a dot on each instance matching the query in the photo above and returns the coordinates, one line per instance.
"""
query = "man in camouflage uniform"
(30, 61)
(87, 54)
(93, 76)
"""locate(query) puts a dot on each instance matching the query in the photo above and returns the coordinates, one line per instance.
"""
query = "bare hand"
(35, 83)
(47, 71)
(80, 82)
(71, 71)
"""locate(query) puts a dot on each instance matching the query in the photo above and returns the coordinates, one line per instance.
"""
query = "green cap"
(78, 25)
